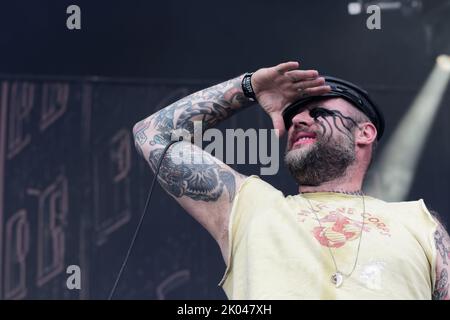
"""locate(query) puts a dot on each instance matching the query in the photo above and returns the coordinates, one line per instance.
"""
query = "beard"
(322, 161)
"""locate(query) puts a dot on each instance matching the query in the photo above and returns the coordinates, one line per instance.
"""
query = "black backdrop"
(73, 185)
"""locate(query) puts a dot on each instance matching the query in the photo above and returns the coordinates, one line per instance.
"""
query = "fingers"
(300, 75)
(302, 85)
(315, 91)
(286, 66)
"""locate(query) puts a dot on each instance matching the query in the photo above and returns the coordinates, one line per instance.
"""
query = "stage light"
(393, 174)
(354, 8)
(443, 62)
(406, 7)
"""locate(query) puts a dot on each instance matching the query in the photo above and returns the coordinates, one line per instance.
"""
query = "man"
(328, 242)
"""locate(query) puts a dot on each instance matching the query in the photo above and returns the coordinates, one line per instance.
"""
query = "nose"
(302, 118)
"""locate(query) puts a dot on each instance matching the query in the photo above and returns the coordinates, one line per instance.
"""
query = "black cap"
(357, 96)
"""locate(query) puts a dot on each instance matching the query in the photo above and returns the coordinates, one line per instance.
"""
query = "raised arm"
(199, 182)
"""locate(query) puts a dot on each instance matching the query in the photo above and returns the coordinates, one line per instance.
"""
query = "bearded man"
(329, 241)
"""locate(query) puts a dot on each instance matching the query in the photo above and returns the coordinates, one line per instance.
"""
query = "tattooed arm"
(442, 243)
(202, 184)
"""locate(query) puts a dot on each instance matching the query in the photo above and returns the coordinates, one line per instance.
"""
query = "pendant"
(337, 279)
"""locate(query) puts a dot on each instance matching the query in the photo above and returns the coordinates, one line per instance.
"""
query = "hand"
(277, 87)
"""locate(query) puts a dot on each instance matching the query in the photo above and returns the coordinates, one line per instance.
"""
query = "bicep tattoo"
(442, 244)
(188, 171)
(441, 287)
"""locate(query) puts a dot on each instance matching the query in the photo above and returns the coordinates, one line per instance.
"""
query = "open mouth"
(303, 138)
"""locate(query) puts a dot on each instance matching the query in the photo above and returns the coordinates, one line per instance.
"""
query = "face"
(321, 143)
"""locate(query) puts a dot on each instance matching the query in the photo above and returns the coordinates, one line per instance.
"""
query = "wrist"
(247, 87)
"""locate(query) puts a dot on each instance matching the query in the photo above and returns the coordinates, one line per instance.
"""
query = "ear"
(366, 134)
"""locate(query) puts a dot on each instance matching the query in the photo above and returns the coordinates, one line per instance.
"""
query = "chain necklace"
(337, 278)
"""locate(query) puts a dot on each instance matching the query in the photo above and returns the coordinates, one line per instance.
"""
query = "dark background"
(131, 58)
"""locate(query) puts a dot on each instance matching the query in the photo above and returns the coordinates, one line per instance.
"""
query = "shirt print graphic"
(341, 225)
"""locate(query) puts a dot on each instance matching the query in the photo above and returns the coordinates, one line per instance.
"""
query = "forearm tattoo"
(180, 177)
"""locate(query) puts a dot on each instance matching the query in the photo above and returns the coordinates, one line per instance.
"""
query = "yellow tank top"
(277, 250)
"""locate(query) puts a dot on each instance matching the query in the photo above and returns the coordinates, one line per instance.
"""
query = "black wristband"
(247, 86)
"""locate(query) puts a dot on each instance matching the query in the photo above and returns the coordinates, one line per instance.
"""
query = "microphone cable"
(141, 220)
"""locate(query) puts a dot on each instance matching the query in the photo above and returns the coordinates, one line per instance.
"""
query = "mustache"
(319, 132)
(307, 129)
